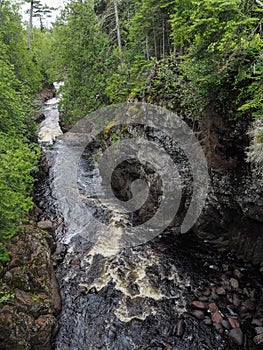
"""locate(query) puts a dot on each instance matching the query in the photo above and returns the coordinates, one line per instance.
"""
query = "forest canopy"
(194, 54)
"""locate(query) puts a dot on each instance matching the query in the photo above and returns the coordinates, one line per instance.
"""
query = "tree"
(19, 79)
(81, 55)
(222, 46)
(37, 10)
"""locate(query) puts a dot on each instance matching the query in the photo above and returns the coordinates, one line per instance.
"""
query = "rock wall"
(234, 211)
(27, 318)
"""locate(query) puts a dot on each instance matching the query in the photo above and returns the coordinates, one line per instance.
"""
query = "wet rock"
(44, 167)
(45, 225)
(217, 317)
(207, 292)
(198, 314)
(237, 274)
(75, 262)
(237, 336)
(256, 322)
(236, 301)
(220, 291)
(37, 210)
(203, 298)
(225, 267)
(207, 321)
(199, 305)
(233, 322)
(60, 249)
(27, 320)
(213, 307)
(214, 296)
(226, 325)
(179, 328)
(8, 276)
(248, 305)
(234, 283)
(39, 117)
(258, 339)
(259, 330)
(219, 328)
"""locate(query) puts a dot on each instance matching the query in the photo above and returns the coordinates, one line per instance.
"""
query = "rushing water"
(133, 299)
(49, 127)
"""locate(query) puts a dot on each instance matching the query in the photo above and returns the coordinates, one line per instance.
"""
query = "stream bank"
(28, 316)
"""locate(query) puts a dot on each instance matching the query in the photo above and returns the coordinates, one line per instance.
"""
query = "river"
(146, 296)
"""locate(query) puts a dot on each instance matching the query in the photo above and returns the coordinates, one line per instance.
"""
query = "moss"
(5, 293)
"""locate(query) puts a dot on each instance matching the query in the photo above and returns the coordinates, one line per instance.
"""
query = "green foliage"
(5, 293)
(165, 85)
(210, 53)
(20, 77)
(17, 161)
(81, 51)
(41, 44)
(222, 48)
(13, 37)
(149, 29)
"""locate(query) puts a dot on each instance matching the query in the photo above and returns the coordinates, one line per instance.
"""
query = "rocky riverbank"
(27, 318)
(31, 298)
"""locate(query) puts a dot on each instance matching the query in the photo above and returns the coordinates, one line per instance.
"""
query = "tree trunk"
(118, 26)
(30, 24)
(163, 38)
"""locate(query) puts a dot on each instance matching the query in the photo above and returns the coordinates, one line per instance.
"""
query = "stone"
(258, 339)
(217, 317)
(236, 301)
(225, 267)
(234, 283)
(203, 298)
(233, 322)
(214, 296)
(75, 262)
(218, 327)
(198, 314)
(220, 291)
(39, 117)
(45, 225)
(208, 321)
(248, 305)
(236, 335)
(179, 328)
(259, 330)
(237, 274)
(213, 307)
(28, 320)
(206, 292)
(226, 325)
(256, 322)
(199, 305)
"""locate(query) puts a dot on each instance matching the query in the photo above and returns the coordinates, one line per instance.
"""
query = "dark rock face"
(27, 319)
(234, 211)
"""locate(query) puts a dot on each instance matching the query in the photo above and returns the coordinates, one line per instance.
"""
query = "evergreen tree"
(19, 79)
(81, 57)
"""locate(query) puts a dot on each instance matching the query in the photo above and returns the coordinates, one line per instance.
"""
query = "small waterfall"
(138, 297)
(49, 127)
